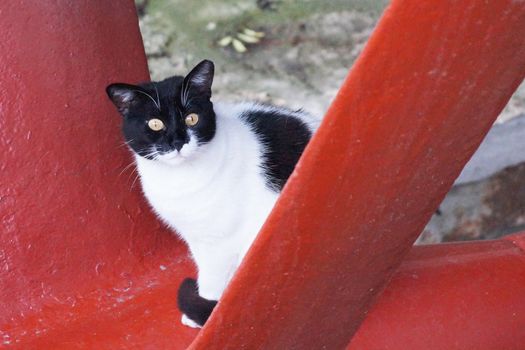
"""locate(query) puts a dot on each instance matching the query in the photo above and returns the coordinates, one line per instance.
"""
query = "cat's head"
(167, 121)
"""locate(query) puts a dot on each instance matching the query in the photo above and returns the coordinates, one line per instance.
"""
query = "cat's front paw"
(185, 320)
(195, 309)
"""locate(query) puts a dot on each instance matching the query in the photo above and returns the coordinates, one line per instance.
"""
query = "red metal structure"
(81, 268)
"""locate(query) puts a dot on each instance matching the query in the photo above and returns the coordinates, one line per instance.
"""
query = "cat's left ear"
(199, 80)
(123, 95)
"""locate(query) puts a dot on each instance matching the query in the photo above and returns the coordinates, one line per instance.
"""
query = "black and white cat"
(211, 171)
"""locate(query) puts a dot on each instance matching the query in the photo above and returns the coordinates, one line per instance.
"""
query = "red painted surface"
(451, 296)
(76, 242)
(472, 296)
(83, 263)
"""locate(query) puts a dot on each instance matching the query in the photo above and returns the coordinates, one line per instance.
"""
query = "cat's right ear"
(199, 80)
(122, 95)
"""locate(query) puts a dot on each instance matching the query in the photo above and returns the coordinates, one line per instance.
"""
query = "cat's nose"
(177, 145)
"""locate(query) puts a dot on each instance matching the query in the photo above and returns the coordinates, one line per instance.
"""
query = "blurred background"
(297, 53)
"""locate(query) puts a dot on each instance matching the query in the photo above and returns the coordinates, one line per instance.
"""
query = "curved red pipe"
(452, 296)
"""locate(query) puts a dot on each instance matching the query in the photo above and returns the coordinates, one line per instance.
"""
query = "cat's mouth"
(171, 157)
(176, 156)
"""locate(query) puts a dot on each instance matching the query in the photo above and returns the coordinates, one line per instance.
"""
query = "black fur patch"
(170, 100)
(192, 304)
(284, 137)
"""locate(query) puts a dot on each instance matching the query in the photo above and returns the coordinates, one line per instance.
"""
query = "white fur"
(214, 196)
(185, 320)
(124, 95)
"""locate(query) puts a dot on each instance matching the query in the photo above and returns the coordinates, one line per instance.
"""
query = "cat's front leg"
(215, 268)
(216, 264)
(195, 309)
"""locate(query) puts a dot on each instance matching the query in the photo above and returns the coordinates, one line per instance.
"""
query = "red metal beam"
(452, 296)
(71, 232)
(429, 84)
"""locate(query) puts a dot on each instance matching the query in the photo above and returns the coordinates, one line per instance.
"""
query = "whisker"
(186, 95)
(134, 171)
(158, 98)
(127, 167)
(151, 98)
(133, 184)
(183, 92)
(188, 102)
(153, 152)
(125, 143)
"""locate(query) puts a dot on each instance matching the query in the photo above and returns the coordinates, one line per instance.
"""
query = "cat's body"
(217, 194)
(218, 201)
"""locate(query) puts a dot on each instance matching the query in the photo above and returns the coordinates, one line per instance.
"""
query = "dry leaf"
(238, 46)
(247, 38)
(253, 33)
(225, 41)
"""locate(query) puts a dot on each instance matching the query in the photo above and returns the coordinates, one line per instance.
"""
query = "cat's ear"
(123, 95)
(199, 80)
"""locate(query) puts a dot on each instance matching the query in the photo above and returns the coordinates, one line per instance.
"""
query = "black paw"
(192, 304)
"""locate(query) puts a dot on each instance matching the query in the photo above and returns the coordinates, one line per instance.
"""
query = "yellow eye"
(155, 124)
(191, 119)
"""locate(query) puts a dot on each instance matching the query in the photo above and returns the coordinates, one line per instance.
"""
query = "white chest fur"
(216, 200)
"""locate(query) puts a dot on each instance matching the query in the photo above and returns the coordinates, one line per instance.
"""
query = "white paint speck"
(97, 268)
